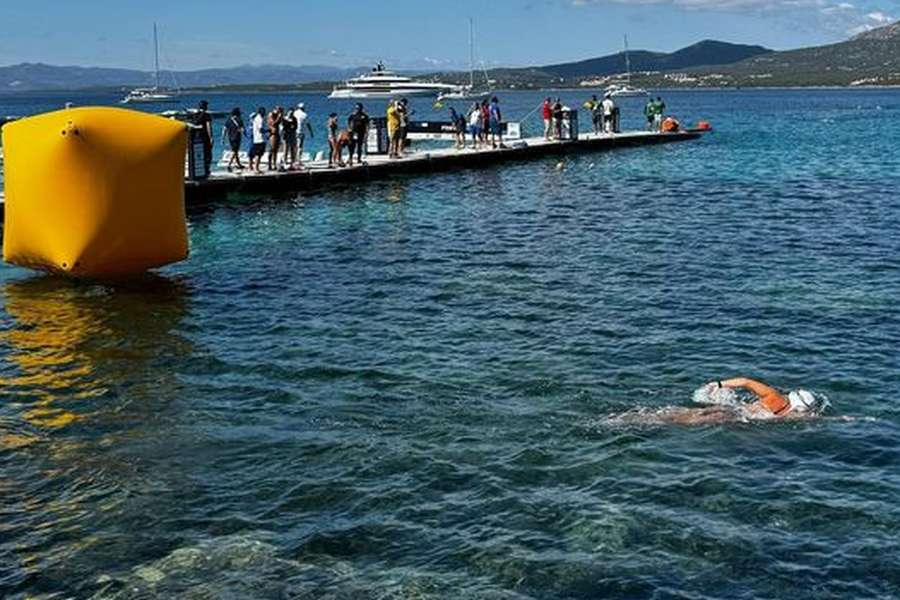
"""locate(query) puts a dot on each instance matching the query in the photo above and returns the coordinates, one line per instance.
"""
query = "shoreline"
(278, 90)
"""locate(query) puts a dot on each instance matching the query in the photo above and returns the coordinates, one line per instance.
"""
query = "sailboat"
(154, 94)
(464, 92)
(621, 90)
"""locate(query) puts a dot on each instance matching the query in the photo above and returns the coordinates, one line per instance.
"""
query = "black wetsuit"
(358, 123)
(204, 121)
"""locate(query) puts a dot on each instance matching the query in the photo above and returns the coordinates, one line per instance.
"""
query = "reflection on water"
(83, 363)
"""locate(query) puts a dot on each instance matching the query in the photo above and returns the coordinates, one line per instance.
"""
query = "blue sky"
(407, 33)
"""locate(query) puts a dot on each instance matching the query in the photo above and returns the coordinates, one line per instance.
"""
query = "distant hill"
(870, 58)
(707, 52)
(38, 77)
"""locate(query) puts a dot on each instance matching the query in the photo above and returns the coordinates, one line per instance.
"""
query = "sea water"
(392, 389)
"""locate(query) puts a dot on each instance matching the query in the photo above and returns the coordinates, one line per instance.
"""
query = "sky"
(197, 34)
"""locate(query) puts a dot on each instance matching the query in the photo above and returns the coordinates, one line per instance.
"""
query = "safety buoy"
(94, 192)
(670, 125)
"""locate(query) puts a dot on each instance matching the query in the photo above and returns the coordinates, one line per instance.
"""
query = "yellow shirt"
(393, 118)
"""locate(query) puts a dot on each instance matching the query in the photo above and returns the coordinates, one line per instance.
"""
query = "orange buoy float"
(670, 125)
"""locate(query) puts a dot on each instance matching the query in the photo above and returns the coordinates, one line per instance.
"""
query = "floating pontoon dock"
(317, 174)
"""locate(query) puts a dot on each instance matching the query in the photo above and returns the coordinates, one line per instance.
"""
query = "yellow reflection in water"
(65, 335)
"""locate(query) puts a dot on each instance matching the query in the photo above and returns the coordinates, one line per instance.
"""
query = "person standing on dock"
(393, 126)
(258, 137)
(404, 125)
(458, 123)
(659, 113)
(609, 109)
(547, 115)
(289, 135)
(358, 124)
(649, 112)
(234, 132)
(496, 123)
(485, 121)
(596, 108)
(334, 155)
(557, 118)
(475, 124)
(203, 120)
(302, 121)
(274, 124)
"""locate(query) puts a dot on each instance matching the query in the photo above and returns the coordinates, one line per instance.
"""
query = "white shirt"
(608, 106)
(259, 126)
(301, 117)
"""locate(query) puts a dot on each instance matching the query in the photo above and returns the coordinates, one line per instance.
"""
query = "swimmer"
(770, 404)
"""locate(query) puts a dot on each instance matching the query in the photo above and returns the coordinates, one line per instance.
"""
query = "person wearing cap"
(771, 402)
(302, 121)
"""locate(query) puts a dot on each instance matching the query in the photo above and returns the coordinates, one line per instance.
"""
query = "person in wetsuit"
(203, 120)
(358, 125)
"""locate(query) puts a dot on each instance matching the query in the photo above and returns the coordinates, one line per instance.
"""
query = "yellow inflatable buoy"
(94, 192)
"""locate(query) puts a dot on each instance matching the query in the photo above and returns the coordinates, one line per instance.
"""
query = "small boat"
(382, 83)
(624, 90)
(155, 94)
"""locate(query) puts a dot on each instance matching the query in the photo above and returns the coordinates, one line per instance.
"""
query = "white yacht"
(381, 83)
(153, 94)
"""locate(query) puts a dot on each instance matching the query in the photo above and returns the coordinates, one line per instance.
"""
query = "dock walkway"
(317, 174)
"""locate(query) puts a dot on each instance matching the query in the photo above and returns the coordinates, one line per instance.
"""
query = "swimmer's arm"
(761, 390)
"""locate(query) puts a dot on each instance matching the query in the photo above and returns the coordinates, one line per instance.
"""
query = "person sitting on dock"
(234, 131)
(496, 123)
(393, 127)
(257, 137)
(547, 115)
(274, 124)
(358, 124)
(302, 121)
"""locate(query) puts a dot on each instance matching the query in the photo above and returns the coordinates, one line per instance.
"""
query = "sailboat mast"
(627, 62)
(471, 54)
(156, 55)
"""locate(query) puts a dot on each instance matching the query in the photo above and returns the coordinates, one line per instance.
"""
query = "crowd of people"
(282, 132)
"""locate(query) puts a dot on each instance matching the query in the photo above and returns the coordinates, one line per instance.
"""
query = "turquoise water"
(402, 389)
